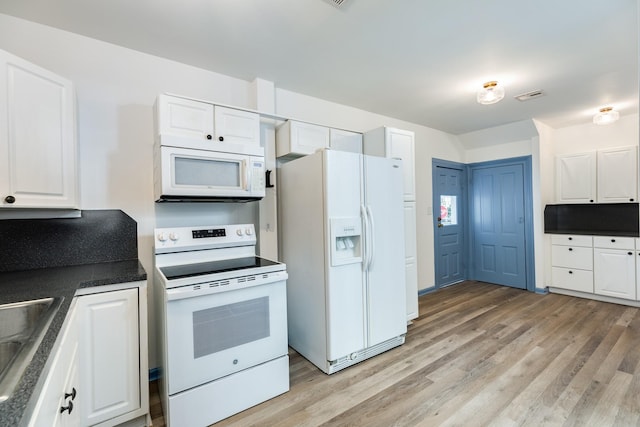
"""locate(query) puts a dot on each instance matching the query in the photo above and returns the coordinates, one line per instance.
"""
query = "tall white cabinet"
(38, 159)
(398, 143)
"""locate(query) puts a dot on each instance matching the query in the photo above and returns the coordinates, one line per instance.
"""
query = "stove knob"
(162, 237)
(249, 231)
(174, 236)
(239, 232)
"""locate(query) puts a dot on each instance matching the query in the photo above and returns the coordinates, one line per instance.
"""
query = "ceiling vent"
(336, 3)
(529, 95)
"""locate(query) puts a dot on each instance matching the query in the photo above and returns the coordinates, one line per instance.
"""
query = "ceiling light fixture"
(605, 116)
(490, 93)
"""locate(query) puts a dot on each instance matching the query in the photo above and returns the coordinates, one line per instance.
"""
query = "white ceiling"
(416, 60)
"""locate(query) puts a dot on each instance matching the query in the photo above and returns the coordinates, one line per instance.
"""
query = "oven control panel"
(178, 239)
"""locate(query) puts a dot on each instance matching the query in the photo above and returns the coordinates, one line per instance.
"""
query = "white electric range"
(222, 314)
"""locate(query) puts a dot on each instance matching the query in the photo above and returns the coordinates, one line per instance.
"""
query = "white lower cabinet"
(109, 355)
(98, 369)
(608, 266)
(57, 403)
(572, 262)
(614, 265)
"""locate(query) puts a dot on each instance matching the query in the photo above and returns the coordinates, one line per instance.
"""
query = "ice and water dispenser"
(346, 240)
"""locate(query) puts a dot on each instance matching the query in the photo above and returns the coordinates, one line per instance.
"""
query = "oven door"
(189, 173)
(215, 335)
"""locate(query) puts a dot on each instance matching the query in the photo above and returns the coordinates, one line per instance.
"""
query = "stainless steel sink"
(22, 327)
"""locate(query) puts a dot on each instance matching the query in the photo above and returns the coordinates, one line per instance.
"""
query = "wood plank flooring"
(478, 355)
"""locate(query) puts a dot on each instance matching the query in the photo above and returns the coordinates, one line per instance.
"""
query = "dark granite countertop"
(54, 282)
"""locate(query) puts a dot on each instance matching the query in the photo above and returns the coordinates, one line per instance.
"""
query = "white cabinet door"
(38, 164)
(345, 140)
(614, 273)
(576, 178)
(618, 175)
(398, 143)
(401, 145)
(411, 259)
(236, 126)
(61, 379)
(300, 139)
(184, 117)
(109, 354)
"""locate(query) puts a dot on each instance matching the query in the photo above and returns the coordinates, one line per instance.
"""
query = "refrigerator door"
(345, 295)
(385, 276)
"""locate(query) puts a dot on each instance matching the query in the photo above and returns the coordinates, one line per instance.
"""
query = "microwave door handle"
(245, 175)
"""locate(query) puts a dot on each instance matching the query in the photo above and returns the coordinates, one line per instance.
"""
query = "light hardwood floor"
(478, 355)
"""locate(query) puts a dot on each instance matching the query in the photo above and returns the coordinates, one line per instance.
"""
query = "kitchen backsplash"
(97, 236)
(606, 219)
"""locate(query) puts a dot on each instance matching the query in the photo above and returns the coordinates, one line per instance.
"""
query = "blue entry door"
(449, 203)
(497, 218)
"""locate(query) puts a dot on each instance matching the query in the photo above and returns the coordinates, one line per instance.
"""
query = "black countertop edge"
(57, 282)
(592, 233)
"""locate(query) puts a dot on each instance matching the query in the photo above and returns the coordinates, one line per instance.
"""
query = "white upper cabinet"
(236, 126)
(394, 143)
(344, 140)
(300, 139)
(576, 178)
(618, 175)
(206, 122)
(603, 176)
(38, 155)
(184, 117)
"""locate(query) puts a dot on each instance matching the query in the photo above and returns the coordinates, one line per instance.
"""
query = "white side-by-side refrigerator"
(342, 238)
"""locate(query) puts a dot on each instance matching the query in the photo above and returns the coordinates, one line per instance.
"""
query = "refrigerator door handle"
(372, 232)
(365, 235)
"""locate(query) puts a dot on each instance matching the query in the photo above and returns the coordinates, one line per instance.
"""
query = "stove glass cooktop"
(211, 267)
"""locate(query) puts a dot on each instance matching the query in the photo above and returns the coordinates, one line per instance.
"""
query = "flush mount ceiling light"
(490, 93)
(605, 116)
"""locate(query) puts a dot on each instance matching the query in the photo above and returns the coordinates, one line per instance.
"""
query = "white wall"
(589, 137)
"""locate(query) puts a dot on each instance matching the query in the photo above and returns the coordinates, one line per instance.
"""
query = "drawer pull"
(630, 253)
(570, 272)
(570, 238)
(570, 249)
(613, 240)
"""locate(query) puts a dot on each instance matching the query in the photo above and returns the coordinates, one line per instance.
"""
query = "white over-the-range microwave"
(186, 169)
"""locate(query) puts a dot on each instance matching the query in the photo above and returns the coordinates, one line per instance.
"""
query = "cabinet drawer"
(572, 240)
(572, 257)
(613, 242)
(572, 279)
